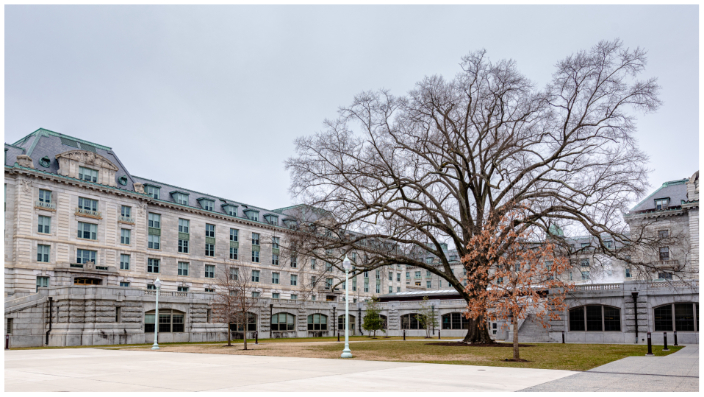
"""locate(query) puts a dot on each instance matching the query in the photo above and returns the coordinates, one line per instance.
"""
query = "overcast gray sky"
(211, 97)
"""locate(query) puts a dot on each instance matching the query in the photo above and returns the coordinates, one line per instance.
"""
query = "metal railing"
(127, 219)
(42, 204)
(598, 287)
(83, 211)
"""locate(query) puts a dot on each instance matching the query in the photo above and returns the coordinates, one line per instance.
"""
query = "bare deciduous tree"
(396, 178)
(234, 300)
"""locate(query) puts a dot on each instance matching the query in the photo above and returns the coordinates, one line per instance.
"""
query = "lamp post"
(346, 353)
(157, 284)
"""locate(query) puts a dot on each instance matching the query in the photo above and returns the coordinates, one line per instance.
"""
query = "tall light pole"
(346, 265)
(157, 284)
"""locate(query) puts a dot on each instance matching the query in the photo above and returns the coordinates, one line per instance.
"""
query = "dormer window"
(230, 209)
(87, 174)
(272, 219)
(252, 215)
(662, 203)
(206, 204)
(180, 198)
(152, 190)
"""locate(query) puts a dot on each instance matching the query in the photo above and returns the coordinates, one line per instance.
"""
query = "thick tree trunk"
(515, 338)
(478, 334)
(245, 337)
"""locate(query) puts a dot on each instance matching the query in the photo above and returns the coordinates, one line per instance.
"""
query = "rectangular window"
(151, 287)
(577, 319)
(234, 273)
(183, 268)
(87, 231)
(209, 271)
(275, 295)
(43, 253)
(154, 242)
(255, 294)
(427, 273)
(594, 318)
(182, 289)
(378, 274)
(398, 276)
(234, 234)
(354, 284)
(125, 236)
(274, 259)
(585, 275)
(209, 230)
(209, 249)
(628, 272)
(152, 265)
(85, 256)
(328, 266)
(429, 284)
(366, 285)
(328, 283)
(684, 317)
(664, 253)
(211, 290)
(87, 204)
(181, 198)
(44, 224)
(183, 246)
(124, 262)
(408, 275)
(312, 264)
(661, 204)
(274, 278)
(312, 280)
(417, 274)
(87, 174)
(126, 211)
(184, 225)
(124, 284)
(275, 243)
(255, 238)
(255, 256)
(45, 196)
(233, 253)
(378, 288)
(294, 279)
(207, 204)
(294, 261)
(391, 290)
(42, 282)
(612, 319)
(255, 276)
(154, 220)
(294, 297)
(152, 191)
(663, 233)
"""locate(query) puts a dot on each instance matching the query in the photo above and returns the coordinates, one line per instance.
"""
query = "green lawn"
(578, 357)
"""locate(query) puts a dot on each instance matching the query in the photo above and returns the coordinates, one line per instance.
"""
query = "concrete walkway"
(99, 370)
(678, 372)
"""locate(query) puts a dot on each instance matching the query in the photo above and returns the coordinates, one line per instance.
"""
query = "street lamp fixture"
(346, 353)
(157, 284)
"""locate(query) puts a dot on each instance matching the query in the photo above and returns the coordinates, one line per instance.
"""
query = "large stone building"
(85, 241)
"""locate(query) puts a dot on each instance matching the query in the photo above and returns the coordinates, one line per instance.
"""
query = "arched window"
(283, 322)
(454, 321)
(384, 321)
(676, 317)
(410, 321)
(341, 322)
(595, 318)
(251, 324)
(317, 322)
(169, 320)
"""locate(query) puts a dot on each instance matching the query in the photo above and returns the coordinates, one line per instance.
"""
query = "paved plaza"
(101, 370)
(678, 372)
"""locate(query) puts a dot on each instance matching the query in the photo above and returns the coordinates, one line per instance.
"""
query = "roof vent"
(69, 142)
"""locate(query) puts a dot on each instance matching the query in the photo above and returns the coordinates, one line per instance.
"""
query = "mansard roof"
(676, 191)
(46, 143)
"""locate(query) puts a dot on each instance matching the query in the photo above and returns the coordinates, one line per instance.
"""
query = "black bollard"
(438, 334)
(7, 342)
(676, 339)
(650, 346)
(338, 335)
(665, 349)
(404, 334)
(256, 337)
(563, 336)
